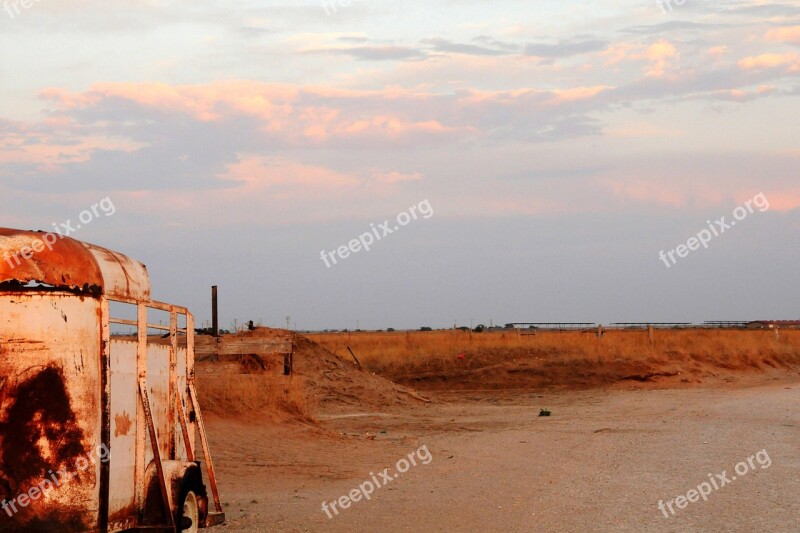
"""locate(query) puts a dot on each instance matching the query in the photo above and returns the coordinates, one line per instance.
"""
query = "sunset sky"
(561, 145)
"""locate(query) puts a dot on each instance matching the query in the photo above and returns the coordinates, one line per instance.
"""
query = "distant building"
(772, 324)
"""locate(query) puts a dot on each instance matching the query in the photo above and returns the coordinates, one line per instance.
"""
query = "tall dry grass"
(234, 394)
(402, 352)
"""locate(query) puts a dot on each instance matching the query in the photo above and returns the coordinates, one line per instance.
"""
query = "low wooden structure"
(247, 352)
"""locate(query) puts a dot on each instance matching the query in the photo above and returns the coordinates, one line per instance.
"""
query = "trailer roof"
(62, 262)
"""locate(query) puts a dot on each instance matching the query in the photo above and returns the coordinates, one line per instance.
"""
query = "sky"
(563, 159)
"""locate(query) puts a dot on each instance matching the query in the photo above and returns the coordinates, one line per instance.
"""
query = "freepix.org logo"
(60, 231)
(715, 229)
(12, 7)
(376, 233)
(333, 7)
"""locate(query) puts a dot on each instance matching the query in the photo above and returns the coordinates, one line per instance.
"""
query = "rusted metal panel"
(124, 427)
(124, 401)
(173, 384)
(158, 370)
(155, 449)
(183, 441)
(50, 411)
(181, 398)
(141, 432)
(123, 277)
(64, 263)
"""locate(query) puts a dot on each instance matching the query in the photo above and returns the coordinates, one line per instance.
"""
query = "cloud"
(789, 60)
(374, 53)
(783, 199)
(671, 27)
(738, 95)
(683, 194)
(784, 34)
(718, 51)
(765, 10)
(563, 49)
(283, 177)
(661, 55)
(155, 136)
(445, 46)
(481, 46)
(705, 181)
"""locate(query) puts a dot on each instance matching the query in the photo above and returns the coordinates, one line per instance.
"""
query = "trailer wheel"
(189, 513)
(189, 506)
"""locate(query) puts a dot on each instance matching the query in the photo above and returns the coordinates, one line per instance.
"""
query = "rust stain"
(40, 430)
(122, 424)
(61, 521)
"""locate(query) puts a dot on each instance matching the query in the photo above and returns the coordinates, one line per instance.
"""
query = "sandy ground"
(601, 462)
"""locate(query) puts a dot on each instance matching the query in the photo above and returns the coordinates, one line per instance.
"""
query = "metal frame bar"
(162, 480)
(212, 478)
(149, 326)
(173, 379)
(141, 371)
(105, 422)
(184, 428)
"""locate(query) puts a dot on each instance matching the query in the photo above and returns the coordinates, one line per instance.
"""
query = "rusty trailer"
(97, 432)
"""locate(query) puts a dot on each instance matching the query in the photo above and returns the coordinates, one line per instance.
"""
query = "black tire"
(192, 483)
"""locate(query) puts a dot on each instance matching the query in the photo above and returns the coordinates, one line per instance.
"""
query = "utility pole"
(214, 312)
(288, 318)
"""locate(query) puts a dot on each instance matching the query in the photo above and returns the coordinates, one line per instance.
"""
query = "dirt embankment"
(338, 383)
(453, 360)
(533, 369)
(530, 371)
(321, 381)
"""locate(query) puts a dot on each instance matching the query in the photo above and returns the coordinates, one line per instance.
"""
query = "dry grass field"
(505, 360)
(253, 393)
(579, 359)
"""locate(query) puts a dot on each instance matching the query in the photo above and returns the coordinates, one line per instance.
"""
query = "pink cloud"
(786, 34)
(53, 143)
(789, 60)
(301, 115)
(661, 56)
(285, 177)
(684, 194)
(783, 199)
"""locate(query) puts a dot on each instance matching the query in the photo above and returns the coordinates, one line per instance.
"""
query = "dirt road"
(601, 462)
